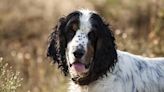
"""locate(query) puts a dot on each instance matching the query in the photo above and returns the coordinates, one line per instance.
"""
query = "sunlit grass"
(10, 81)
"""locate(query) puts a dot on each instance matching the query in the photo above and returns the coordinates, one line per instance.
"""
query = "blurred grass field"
(26, 24)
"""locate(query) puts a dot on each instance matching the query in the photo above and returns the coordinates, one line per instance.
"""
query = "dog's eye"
(74, 27)
(92, 35)
(71, 30)
(70, 34)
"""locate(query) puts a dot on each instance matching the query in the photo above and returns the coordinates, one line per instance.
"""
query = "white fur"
(132, 73)
(80, 38)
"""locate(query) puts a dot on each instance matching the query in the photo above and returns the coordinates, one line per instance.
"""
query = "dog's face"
(83, 45)
(80, 48)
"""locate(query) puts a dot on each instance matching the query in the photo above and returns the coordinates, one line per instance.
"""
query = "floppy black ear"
(105, 52)
(57, 45)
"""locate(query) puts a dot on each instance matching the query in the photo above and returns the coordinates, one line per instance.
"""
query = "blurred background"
(26, 24)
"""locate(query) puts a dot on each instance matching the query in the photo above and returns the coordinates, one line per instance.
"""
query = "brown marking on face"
(89, 54)
(75, 26)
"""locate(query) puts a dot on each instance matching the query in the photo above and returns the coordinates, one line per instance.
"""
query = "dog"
(83, 46)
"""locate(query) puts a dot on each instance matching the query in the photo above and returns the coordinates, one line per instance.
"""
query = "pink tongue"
(79, 67)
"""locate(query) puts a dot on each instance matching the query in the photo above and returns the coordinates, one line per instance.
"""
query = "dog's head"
(83, 45)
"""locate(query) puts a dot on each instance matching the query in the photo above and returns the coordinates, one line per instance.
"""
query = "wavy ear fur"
(58, 42)
(57, 45)
(105, 52)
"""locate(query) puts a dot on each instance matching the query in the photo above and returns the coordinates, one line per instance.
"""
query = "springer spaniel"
(83, 46)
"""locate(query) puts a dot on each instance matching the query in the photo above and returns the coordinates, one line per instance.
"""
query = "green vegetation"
(25, 26)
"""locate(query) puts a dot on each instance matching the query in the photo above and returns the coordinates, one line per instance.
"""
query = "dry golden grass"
(26, 24)
(10, 81)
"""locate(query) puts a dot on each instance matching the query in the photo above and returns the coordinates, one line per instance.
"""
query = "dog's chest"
(90, 88)
(98, 86)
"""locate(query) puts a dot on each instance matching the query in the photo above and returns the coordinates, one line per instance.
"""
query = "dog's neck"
(91, 86)
(86, 80)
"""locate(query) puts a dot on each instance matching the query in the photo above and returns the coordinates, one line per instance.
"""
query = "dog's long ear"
(57, 45)
(105, 52)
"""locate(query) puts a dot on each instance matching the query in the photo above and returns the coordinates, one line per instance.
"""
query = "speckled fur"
(132, 73)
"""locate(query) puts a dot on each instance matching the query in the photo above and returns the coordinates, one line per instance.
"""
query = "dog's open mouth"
(80, 67)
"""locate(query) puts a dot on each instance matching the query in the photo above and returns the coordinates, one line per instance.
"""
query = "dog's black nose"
(78, 53)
